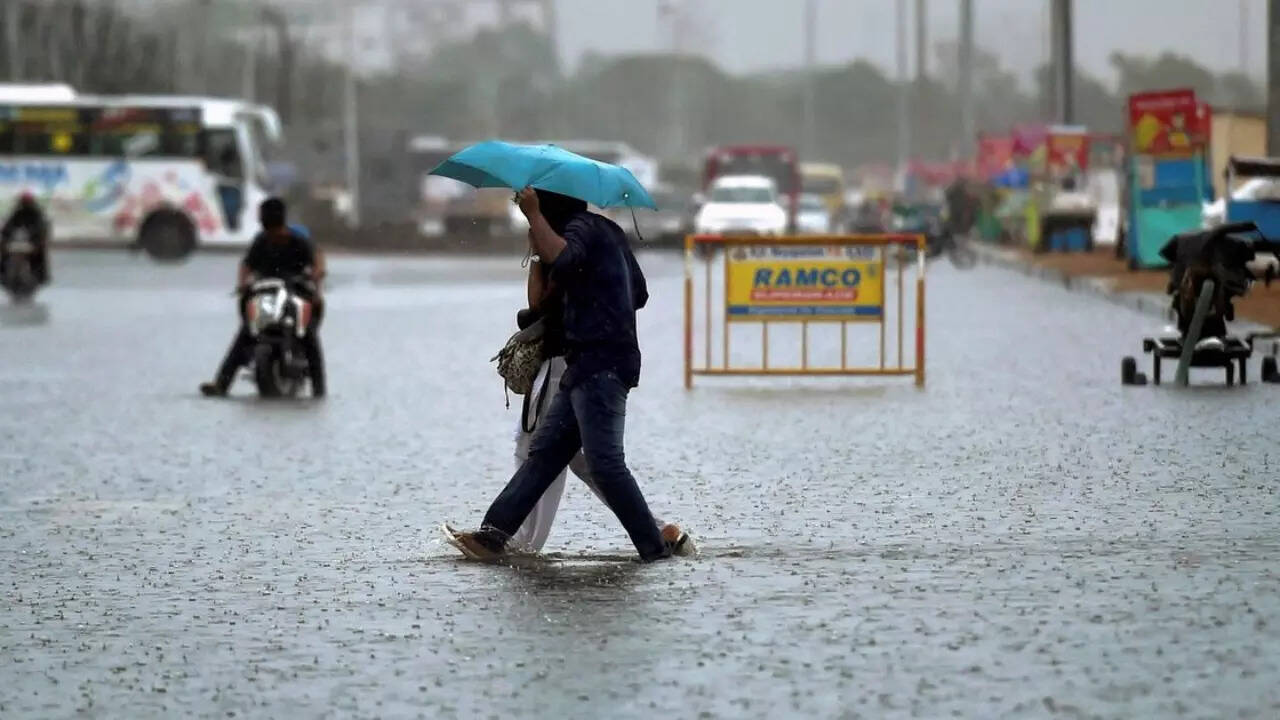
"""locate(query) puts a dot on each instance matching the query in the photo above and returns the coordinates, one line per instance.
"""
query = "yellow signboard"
(834, 283)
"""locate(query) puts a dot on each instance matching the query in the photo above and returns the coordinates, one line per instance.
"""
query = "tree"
(1169, 70)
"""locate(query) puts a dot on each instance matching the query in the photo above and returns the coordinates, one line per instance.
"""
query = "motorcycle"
(19, 277)
(278, 317)
(940, 239)
(957, 247)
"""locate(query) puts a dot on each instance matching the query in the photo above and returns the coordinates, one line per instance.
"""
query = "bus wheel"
(167, 235)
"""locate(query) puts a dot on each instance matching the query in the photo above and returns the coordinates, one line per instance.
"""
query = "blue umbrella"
(494, 163)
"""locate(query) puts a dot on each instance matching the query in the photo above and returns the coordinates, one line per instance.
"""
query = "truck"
(776, 162)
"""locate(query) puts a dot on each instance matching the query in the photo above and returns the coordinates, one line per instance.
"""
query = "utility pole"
(11, 18)
(1273, 77)
(249, 78)
(904, 110)
(551, 26)
(964, 61)
(1242, 38)
(350, 129)
(672, 13)
(807, 148)
(922, 43)
(1063, 62)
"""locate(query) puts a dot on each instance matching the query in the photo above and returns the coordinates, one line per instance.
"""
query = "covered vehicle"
(1221, 254)
(1208, 270)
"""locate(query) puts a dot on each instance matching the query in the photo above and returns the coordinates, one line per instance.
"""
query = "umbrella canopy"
(494, 163)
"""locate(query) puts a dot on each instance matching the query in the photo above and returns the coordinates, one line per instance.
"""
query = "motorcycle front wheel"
(269, 374)
(962, 254)
(19, 278)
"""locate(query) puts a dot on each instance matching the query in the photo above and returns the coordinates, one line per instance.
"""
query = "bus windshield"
(820, 185)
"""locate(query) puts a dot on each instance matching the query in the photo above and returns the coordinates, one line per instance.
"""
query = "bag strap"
(542, 401)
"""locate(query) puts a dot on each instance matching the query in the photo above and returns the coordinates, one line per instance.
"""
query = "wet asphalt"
(1022, 538)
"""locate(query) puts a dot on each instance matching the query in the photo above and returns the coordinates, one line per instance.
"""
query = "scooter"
(278, 318)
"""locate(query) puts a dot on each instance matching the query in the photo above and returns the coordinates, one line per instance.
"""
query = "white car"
(745, 204)
(814, 218)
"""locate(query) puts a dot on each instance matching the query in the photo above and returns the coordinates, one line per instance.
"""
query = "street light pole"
(1273, 77)
(968, 128)
(350, 128)
(810, 60)
(672, 13)
(11, 17)
(1063, 62)
(904, 111)
(249, 79)
(922, 43)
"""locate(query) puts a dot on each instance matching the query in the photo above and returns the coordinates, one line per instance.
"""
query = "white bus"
(168, 173)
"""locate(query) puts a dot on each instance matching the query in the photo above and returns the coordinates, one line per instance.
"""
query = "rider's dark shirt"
(280, 256)
(29, 218)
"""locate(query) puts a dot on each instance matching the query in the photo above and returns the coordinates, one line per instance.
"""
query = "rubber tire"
(963, 256)
(263, 372)
(20, 281)
(1269, 371)
(1128, 371)
(167, 235)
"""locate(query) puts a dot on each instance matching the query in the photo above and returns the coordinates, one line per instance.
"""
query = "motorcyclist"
(28, 216)
(279, 251)
(961, 210)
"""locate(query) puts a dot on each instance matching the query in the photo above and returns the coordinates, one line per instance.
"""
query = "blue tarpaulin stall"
(1167, 197)
(1263, 212)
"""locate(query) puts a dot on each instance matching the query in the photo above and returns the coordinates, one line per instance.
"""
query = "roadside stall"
(1030, 154)
(1067, 210)
(1167, 171)
(995, 169)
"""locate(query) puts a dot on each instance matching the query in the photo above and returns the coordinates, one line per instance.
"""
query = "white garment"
(533, 532)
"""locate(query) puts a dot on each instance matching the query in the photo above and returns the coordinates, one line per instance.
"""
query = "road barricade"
(824, 281)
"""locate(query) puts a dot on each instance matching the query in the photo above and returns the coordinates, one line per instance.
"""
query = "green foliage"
(508, 82)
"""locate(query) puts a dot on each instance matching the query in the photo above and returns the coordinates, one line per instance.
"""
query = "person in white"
(532, 535)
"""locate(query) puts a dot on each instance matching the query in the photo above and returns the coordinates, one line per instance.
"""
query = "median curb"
(1151, 304)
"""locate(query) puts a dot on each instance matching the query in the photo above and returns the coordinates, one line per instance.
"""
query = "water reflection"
(24, 314)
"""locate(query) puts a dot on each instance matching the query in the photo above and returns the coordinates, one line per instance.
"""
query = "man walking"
(591, 264)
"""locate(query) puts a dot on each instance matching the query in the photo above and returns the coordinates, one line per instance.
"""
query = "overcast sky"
(751, 35)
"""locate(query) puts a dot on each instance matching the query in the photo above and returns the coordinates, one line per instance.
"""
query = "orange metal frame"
(727, 241)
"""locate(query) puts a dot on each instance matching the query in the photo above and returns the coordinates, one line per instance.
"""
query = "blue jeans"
(592, 416)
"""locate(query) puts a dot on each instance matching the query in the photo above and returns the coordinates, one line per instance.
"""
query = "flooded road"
(1022, 538)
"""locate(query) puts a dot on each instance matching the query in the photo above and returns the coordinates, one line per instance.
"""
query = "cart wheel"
(1269, 373)
(1128, 371)
(1155, 369)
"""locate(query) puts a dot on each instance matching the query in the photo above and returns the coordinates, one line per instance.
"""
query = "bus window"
(35, 139)
(222, 154)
